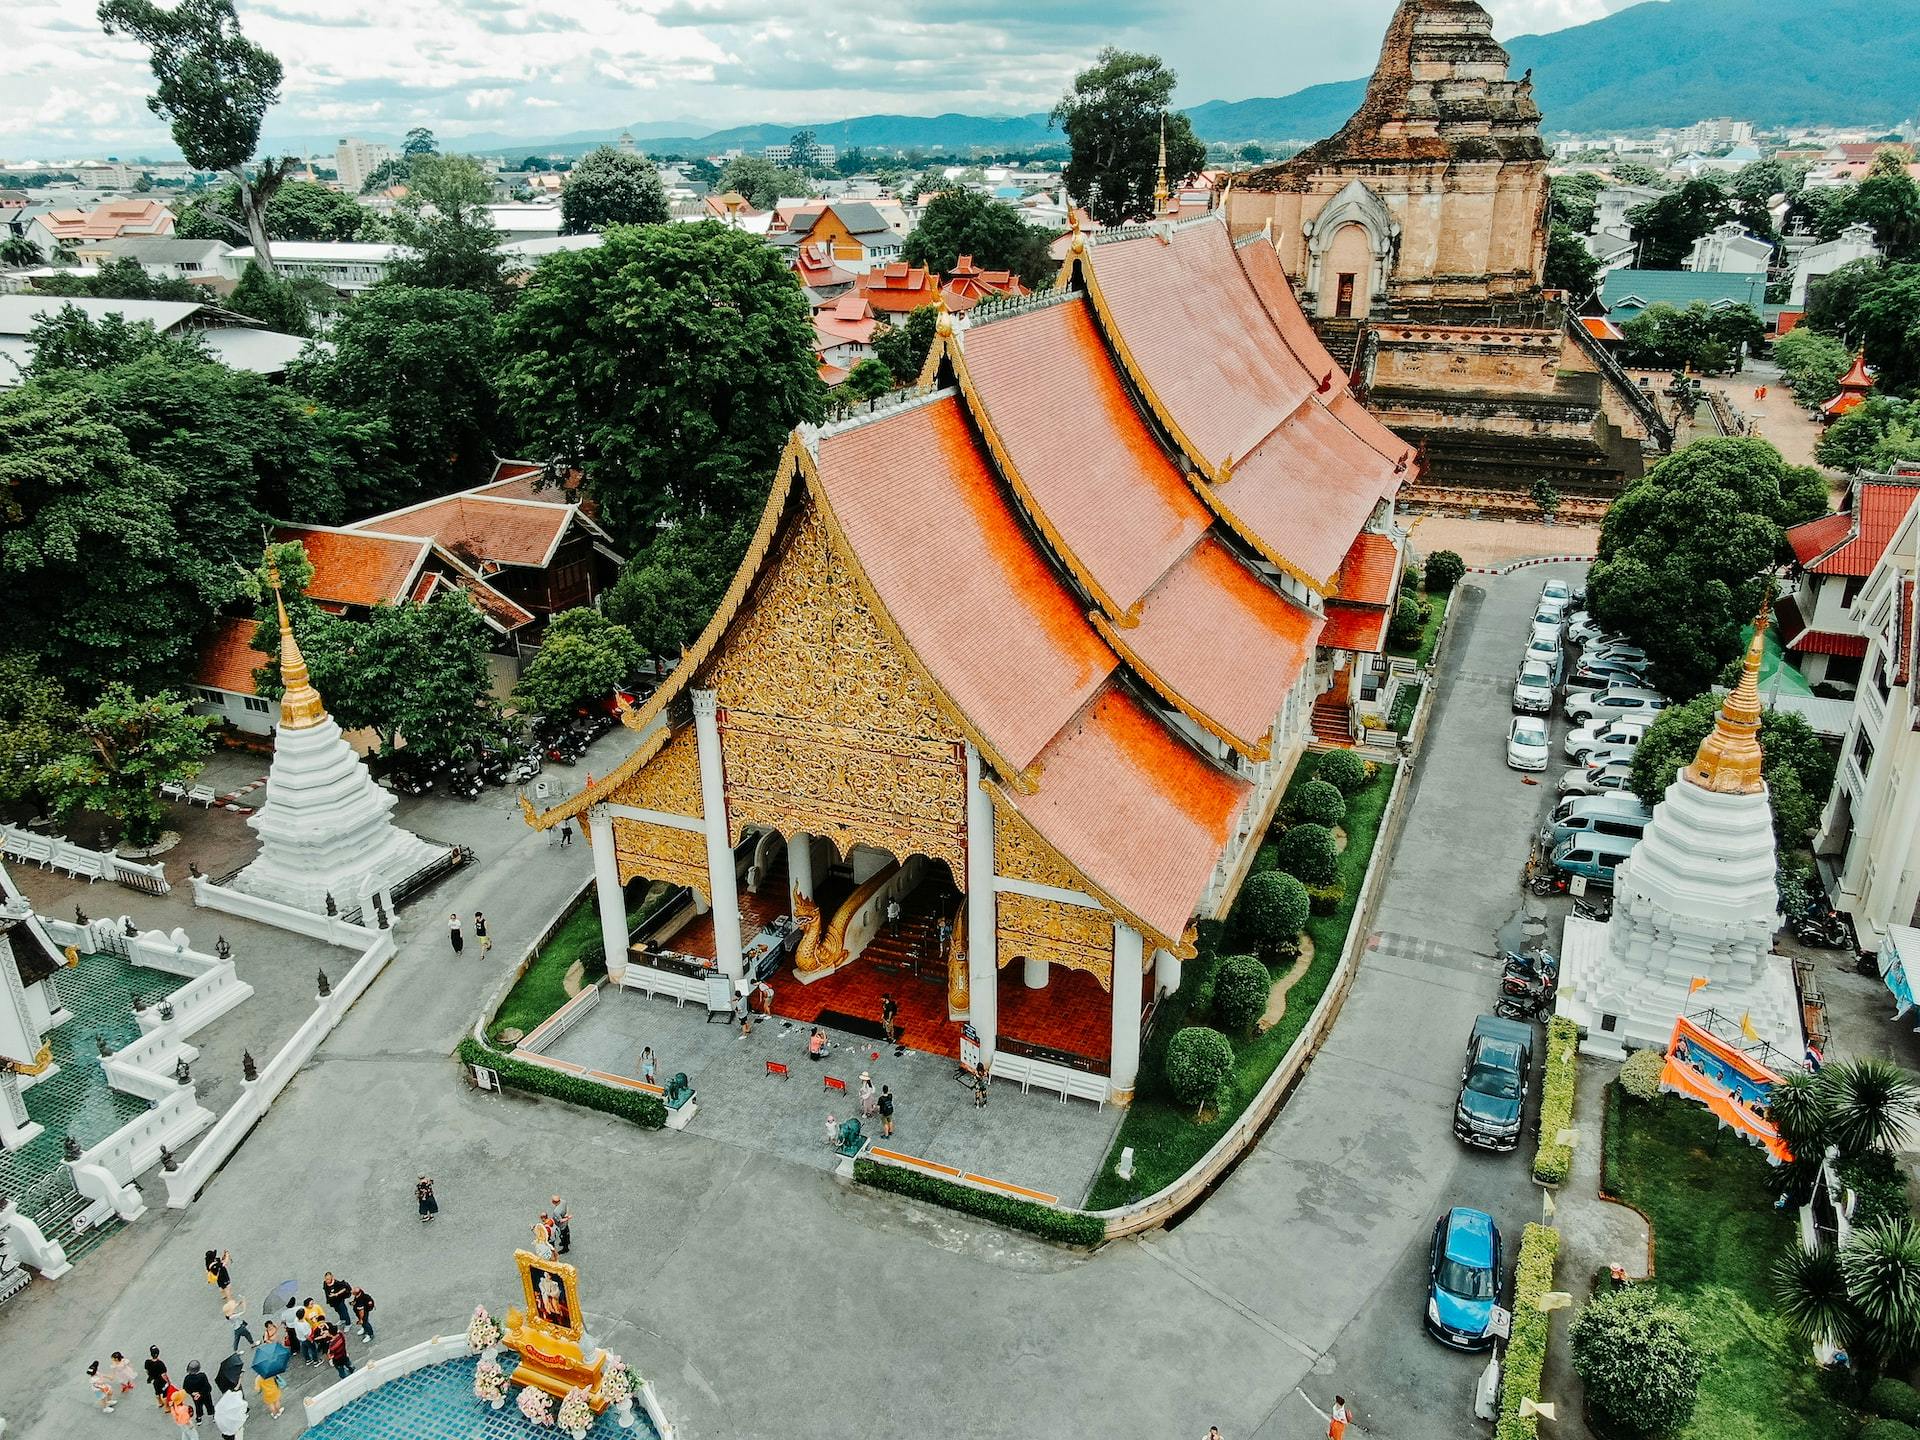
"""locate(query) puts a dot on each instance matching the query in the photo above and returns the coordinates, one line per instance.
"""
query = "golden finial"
(300, 704)
(1160, 175)
(1729, 761)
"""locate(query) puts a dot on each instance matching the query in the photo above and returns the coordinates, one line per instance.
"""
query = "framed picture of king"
(552, 1289)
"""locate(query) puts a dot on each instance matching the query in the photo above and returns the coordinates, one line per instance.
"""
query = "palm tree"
(1812, 1291)
(1870, 1105)
(1881, 1266)
(1800, 1111)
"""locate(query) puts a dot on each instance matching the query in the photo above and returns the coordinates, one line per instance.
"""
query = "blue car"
(1463, 1279)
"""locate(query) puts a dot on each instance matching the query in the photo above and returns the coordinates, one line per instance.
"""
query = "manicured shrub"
(1526, 1355)
(644, 1110)
(1063, 1227)
(1636, 1356)
(1409, 581)
(1553, 1159)
(1880, 1193)
(1266, 858)
(1199, 1062)
(1887, 1430)
(1307, 851)
(1270, 914)
(1323, 900)
(1317, 803)
(1343, 770)
(1640, 1076)
(1896, 1400)
(1444, 569)
(1240, 991)
(1404, 628)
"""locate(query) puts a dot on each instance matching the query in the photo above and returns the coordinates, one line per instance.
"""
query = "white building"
(1856, 242)
(233, 339)
(1729, 249)
(1869, 837)
(354, 160)
(1611, 205)
(346, 265)
(783, 154)
(1714, 134)
(519, 221)
(162, 257)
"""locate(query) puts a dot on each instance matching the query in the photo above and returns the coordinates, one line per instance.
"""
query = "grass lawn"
(1422, 652)
(542, 990)
(1165, 1138)
(1716, 1236)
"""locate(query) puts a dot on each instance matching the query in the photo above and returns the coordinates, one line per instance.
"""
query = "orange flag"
(1699, 984)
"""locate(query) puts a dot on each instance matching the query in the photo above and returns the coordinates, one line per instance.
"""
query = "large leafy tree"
(1686, 550)
(128, 747)
(1667, 227)
(960, 222)
(761, 181)
(122, 279)
(669, 591)
(903, 348)
(275, 303)
(421, 362)
(1888, 199)
(1570, 265)
(1572, 199)
(1699, 337)
(37, 724)
(452, 240)
(299, 210)
(100, 583)
(1113, 117)
(67, 338)
(419, 141)
(669, 364)
(1798, 768)
(214, 88)
(583, 657)
(1811, 363)
(1874, 436)
(612, 187)
(1636, 1356)
(1874, 307)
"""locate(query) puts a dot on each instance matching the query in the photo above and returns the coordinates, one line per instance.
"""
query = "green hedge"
(1526, 1354)
(1063, 1227)
(646, 1111)
(1552, 1160)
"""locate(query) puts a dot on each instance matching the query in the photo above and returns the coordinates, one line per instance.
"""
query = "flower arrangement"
(575, 1412)
(617, 1382)
(536, 1405)
(481, 1331)
(490, 1381)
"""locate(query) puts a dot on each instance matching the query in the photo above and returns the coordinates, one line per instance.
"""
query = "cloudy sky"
(541, 68)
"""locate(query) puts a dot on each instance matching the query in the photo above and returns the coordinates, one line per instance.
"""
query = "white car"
(1557, 593)
(1622, 700)
(1545, 630)
(1527, 744)
(1618, 650)
(1583, 629)
(1547, 652)
(1533, 688)
(1603, 755)
(1596, 780)
(1605, 730)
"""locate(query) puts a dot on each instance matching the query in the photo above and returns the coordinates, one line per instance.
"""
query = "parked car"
(1547, 630)
(1618, 813)
(1463, 1279)
(1583, 629)
(1604, 730)
(1549, 653)
(1615, 753)
(1493, 1083)
(1597, 779)
(1622, 700)
(1593, 857)
(1533, 688)
(1557, 593)
(1610, 672)
(1528, 745)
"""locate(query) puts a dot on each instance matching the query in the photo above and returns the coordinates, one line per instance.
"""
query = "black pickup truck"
(1493, 1083)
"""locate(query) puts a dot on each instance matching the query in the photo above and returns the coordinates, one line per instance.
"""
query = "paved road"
(766, 1301)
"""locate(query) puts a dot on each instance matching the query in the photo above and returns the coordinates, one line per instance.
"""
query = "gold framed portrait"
(552, 1290)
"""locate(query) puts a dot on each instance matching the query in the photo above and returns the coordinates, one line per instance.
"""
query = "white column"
(1034, 973)
(1127, 951)
(799, 869)
(608, 890)
(983, 941)
(16, 1126)
(1166, 971)
(723, 888)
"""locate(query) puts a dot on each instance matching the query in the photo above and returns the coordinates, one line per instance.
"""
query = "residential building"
(855, 232)
(783, 154)
(819, 276)
(1833, 557)
(1729, 250)
(1714, 134)
(517, 221)
(1868, 843)
(843, 335)
(62, 229)
(164, 258)
(1856, 242)
(348, 266)
(355, 160)
(1611, 205)
(234, 339)
(1627, 292)
(1612, 249)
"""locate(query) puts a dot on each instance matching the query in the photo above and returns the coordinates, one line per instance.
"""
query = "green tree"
(100, 584)
(612, 187)
(802, 153)
(272, 301)
(1667, 227)
(1307, 852)
(1873, 436)
(16, 250)
(69, 339)
(385, 174)
(584, 656)
(1636, 1357)
(1253, 154)
(761, 181)
(449, 183)
(127, 748)
(214, 88)
(903, 348)
(419, 141)
(668, 592)
(1832, 298)
(1822, 211)
(1685, 551)
(669, 364)
(1570, 265)
(1888, 199)
(299, 210)
(960, 222)
(1700, 337)
(1886, 325)
(1545, 497)
(37, 723)
(1271, 912)
(1573, 199)
(868, 380)
(1811, 363)
(1241, 987)
(1199, 1066)
(1632, 172)
(1113, 118)
(122, 279)
(421, 362)
(1444, 570)
(452, 242)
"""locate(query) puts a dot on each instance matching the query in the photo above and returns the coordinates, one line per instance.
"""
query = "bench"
(173, 790)
(202, 795)
(775, 1067)
(833, 1083)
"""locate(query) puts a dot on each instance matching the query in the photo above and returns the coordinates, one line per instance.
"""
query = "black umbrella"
(277, 1300)
(228, 1376)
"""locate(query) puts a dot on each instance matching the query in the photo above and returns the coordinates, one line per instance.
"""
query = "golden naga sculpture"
(959, 982)
(806, 954)
(1729, 761)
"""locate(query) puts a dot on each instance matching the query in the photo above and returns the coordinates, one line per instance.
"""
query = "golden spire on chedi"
(300, 703)
(1729, 760)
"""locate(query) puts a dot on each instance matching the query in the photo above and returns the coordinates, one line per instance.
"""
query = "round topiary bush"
(1323, 900)
(1404, 628)
(1240, 990)
(1199, 1062)
(1318, 803)
(1307, 851)
(1636, 1356)
(1271, 913)
(1640, 1076)
(1343, 770)
(1896, 1400)
(1887, 1430)
(1444, 569)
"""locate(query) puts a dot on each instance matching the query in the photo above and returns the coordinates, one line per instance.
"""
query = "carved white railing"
(52, 852)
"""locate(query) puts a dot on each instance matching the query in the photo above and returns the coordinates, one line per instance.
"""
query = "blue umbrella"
(278, 1297)
(270, 1358)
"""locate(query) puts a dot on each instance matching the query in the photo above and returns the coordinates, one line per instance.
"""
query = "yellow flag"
(1746, 1026)
(1699, 984)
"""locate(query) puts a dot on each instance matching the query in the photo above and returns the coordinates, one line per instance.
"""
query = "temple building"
(1695, 906)
(1031, 651)
(30, 1008)
(1416, 238)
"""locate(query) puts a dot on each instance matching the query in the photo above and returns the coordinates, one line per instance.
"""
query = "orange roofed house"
(518, 552)
(1031, 651)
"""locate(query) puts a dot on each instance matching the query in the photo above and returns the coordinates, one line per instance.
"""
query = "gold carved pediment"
(1074, 936)
(660, 852)
(670, 781)
(1020, 854)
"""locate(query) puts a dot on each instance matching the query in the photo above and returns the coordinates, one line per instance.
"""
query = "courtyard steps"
(1330, 723)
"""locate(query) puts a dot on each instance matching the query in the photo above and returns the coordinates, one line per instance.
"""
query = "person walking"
(454, 935)
(886, 1111)
(230, 1415)
(269, 1388)
(869, 1102)
(893, 915)
(423, 1193)
(200, 1388)
(337, 1353)
(647, 1064)
(121, 1372)
(219, 1275)
(980, 1088)
(338, 1293)
(480, 932)
(566, 833)
(363, 1312)
(177, 1404)
(236, 1312)
(833, 1131)
(1337, 1421)
(101, 1385)
(946, 934)
(156, 1369)
(889, 1016)
(560, 1225)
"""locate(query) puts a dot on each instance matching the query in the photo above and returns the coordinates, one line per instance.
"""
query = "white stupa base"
(1620, 1007)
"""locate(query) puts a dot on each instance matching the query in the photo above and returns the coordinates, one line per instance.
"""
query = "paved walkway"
(1488, 543)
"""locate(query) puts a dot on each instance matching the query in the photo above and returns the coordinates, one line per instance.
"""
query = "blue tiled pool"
(438, 1403)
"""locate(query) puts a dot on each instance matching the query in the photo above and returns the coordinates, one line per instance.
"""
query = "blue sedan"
(1463, 1279)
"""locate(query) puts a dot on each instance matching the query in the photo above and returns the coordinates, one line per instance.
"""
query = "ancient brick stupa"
(326, 828)
(1695, 901)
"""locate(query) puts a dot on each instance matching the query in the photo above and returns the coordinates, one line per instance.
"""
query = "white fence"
(52, 852)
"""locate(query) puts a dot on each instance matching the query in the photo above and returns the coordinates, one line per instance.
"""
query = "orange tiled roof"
(1368, 573)
(967, 285)
(505, 614)
(115, 218)
(1813, 538)
(980, 606)
(898, 288)
(228, 659)
(1855, 539)
(1601, 328)
(355, 568)
(1355, 627)
(831, 374)
(490, 529)
(520, 480)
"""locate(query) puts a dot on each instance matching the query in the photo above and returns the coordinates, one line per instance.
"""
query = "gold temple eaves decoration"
(1729, 761)
(300, 705)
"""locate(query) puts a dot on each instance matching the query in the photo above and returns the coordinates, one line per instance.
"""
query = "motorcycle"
(1541, 964)
(1534, 1005)
(1547, 882)
(1600, 910)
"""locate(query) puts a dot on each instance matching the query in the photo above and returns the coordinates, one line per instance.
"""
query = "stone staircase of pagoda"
(1330, 723)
